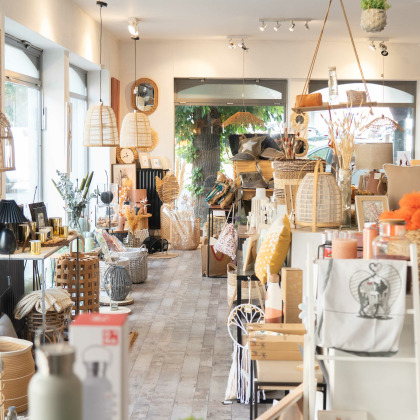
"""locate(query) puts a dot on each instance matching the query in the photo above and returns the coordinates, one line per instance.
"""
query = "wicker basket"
(218, 223)
(257, 291)
(186, 242)
(414, 236)
(66, 277)
(19, 367)
(54, 324)
(137, 263)
(165, 224)
(318, 200)
(290, 172)
(136, 240)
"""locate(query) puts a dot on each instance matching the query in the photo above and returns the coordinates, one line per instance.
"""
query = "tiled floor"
(179, 364)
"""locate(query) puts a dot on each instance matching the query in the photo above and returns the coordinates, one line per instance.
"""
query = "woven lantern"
(100, 127)
(7, 147)
(136, 131)
(318, 200)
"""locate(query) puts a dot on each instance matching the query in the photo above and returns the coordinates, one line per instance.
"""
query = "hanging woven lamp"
(243, 117)
(7, 146)
(101, 128)
(135, 128)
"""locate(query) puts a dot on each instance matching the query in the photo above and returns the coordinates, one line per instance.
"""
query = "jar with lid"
(391, 244)
(370, 232)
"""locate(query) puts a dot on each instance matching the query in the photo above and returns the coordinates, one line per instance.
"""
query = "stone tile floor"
(180, 362)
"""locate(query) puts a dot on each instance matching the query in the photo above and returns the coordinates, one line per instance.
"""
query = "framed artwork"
(156, 163)
(369, 208)
(34, 212)
(124, 175)
(144, 160)
(40, 218)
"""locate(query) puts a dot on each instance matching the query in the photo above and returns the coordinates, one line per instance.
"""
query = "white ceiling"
(215, 19)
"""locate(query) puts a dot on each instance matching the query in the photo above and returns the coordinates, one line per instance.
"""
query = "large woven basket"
(54, 324)
(232, 285)
(290, 172)
(137, 263)
(318, 200)
(19, 367)
(136, 240)
(66, 277)
(414, 236)
(188, 241)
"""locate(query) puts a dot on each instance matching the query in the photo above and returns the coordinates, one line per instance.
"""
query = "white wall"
(163, 61)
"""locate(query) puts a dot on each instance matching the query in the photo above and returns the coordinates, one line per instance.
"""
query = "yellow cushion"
(274, 249)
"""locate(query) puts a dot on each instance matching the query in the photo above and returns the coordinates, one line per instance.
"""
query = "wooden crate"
(249, 166)
(291, 290)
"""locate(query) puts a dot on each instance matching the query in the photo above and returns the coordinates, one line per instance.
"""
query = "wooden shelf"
(325, 107)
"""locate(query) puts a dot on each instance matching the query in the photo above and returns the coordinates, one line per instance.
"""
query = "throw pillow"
(252, 146)
(401, 180)
(274, 249)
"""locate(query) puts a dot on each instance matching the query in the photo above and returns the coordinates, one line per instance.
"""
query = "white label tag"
(377, 175)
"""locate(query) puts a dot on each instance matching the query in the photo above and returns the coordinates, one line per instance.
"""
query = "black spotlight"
(384, 49)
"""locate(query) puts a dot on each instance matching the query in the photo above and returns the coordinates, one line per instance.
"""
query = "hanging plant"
(373, 15)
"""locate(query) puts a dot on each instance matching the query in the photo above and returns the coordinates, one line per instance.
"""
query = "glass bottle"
(55, 392)
(391, 243)
(333, 86)
(11, 415)
(344, 183)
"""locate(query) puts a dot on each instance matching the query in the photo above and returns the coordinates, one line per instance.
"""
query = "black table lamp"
(9, 213)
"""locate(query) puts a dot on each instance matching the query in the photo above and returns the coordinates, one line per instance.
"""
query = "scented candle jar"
(344, 247)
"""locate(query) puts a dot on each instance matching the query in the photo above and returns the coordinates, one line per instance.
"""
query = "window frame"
(35, 55)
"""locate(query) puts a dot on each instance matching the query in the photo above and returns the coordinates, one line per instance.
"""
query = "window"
(23, 110)
(395, 100)
(78, 101)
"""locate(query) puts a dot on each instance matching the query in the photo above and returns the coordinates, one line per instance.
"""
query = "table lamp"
(9, 213)
(372, 156)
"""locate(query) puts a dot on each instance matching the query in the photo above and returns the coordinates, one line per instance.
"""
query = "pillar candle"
(344, 248)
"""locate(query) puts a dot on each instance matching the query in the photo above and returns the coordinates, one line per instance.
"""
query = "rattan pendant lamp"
(100, 124)
(7, 146)
(135, 128)
(243, 117)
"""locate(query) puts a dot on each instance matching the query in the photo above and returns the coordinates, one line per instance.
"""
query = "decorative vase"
(7, 242)
(273, 300)
(117, 282)
(344, 182)
(373, 20)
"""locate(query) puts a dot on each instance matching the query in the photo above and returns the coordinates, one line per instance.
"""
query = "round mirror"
(145, 96)
(301, 146)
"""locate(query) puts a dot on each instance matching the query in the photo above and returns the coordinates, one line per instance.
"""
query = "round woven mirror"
(145, 96)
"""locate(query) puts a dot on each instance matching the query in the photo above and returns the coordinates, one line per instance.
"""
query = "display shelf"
(326, 106)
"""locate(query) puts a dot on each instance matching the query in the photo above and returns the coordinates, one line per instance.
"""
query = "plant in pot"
(373, 15)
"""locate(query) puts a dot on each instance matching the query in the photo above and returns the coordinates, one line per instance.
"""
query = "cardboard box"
(291, 291)
(101, 342)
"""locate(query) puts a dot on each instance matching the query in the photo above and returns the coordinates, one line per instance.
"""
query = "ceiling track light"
(307, 26)
(372, 46)
(133, 27)
(277, 27)
(384, 49)
(231, 45)
(263, 26)
(292, 26)
(242, 45)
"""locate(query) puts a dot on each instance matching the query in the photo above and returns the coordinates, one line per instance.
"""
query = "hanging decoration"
(135, 129)
(243, 118)
(7, 147)
(101, 128)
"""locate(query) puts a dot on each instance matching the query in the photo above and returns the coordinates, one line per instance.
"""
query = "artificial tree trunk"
(207, 143)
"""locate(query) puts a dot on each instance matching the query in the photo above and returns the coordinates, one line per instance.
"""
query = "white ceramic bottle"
(273, 302)
(97, 392)
(55, 392)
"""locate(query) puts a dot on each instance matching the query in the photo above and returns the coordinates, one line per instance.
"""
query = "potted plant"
(374, 15)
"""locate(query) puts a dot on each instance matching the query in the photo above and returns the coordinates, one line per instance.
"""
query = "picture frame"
(40, 217)
(144, 160)
(156, 162)
(369, 208)
(33, 210)
(125, 175)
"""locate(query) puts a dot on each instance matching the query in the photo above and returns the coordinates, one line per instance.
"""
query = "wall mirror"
(145, 96)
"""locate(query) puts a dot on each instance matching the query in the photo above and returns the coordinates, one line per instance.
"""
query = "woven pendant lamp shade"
(7, 147)
(243, 118)
(318, 201)
(100, 127)
(136, 131)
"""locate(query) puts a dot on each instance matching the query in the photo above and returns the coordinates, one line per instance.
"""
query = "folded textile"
(56, 299)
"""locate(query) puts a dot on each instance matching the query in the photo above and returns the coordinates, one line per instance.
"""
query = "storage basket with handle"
(136, 240)
(290, 171)
(137, 263)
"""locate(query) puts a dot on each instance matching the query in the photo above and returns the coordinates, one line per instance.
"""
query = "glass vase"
(344, 183)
